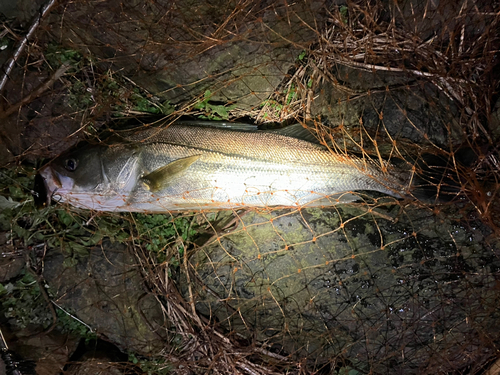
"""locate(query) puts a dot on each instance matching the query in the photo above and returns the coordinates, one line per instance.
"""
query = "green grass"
(151, 366)
(165, 236)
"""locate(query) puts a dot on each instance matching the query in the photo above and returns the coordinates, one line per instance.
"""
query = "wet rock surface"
(177, 50)
(384, 289)
(107, 292)
(411, 110)
(43, 353)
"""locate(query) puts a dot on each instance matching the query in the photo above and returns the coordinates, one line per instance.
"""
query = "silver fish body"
(184, 167)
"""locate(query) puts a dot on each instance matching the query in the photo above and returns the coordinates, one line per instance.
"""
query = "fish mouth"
(47, 182)
(40, 193)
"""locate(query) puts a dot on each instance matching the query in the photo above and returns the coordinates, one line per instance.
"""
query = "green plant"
(79, 233)
(273, 106)
(212, 111)
(114, 91)
(344, 13)
(21, 302)
(140, 103)
(151, 366)
(105, 91)
(302, 55)
(56, 55)
(159, 234)
(79, 96)
(67, 322)
(291, 94)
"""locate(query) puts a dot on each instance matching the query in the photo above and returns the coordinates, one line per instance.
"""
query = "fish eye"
(70, 164)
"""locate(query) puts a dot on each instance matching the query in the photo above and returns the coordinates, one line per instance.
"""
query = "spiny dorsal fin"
(163, 176)
(239, 126)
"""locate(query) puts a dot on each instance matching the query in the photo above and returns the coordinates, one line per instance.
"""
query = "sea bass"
(186, 167)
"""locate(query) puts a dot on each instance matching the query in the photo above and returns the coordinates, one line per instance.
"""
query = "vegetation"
(159, 234)
(156, 366)
(211, 111)
(24, 306)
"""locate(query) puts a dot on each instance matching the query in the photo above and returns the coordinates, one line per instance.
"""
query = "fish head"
(71, 178)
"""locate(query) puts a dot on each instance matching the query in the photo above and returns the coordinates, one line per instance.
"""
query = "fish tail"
(439, 178)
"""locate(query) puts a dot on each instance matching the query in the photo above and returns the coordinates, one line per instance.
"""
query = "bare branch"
(10, 63)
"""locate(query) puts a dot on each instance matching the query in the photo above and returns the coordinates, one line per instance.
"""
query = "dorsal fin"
(240, 126)
(297, 131)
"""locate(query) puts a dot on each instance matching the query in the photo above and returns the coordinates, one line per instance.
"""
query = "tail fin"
(438, 178)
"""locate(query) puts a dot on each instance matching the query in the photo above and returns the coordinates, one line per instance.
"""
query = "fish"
(200, 166)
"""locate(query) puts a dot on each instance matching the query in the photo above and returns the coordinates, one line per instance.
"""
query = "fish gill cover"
(378, 285)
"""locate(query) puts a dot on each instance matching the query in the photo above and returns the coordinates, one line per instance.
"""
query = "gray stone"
(106, 291)
(384, 288)
(177, 50)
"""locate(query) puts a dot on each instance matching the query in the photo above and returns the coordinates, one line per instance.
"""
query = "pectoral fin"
(163, 176)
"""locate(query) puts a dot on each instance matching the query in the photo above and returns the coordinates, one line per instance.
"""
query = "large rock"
(380, 288)
(177, 50)
(422, 114)
(106, 291)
